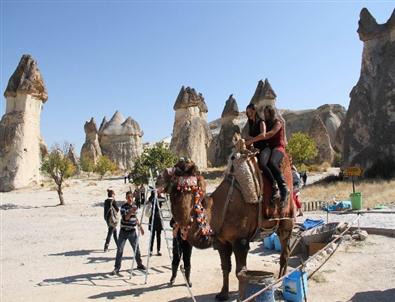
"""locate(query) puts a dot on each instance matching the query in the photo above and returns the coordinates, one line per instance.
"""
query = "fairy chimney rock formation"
(222, 145)
(264, 95)
(319, 133)
(121, 140)
(191, 134)
(20, 138)
(231, 110)
(91, 149)
(369, 126)
(72, 156)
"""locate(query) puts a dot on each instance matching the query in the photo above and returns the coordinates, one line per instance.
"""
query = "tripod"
(165, 217)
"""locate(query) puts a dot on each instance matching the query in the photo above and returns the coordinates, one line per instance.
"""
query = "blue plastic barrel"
(268, 242)
(293, 287)
(257, 280)
(277, 242)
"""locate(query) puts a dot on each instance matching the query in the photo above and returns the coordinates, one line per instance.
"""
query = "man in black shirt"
(108, 203)
(129, 222)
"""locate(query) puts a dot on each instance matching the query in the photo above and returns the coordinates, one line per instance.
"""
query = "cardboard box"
(314, 247)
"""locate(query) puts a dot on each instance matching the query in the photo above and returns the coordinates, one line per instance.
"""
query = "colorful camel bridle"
(190, 184)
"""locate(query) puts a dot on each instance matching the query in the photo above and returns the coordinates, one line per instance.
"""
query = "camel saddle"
(243, 166)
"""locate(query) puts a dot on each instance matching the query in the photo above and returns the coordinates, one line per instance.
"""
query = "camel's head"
(185, 185)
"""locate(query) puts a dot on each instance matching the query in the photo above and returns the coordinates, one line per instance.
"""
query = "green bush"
(87, 164)
(155, 159)
(58, 166)
(302, 148)
(105, 165)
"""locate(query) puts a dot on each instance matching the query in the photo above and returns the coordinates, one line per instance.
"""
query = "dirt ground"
(54, 253)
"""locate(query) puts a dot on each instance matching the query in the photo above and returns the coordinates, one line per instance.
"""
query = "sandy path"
(51, 253)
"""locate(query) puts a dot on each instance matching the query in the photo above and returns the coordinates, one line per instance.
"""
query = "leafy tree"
(87, 164)
(59, 167)
(155, 159)
(104, 165)
(302, 148)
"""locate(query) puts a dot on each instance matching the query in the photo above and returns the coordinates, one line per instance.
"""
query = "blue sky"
(100, 56)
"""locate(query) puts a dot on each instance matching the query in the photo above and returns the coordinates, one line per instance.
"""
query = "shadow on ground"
(11, 206)
(206, 298)
(375, 296)
(135, 292)
(76, 253)
(82, 279)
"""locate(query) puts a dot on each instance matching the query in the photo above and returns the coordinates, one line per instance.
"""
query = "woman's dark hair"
(110, 193)
(128, 193)
(272, 112)
(251, 106)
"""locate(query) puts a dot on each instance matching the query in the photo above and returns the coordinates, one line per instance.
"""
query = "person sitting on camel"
(271, 143)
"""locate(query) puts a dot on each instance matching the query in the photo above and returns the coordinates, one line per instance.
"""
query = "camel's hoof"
(222, 297)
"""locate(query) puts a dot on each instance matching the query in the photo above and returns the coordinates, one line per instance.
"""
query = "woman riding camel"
(268, 136)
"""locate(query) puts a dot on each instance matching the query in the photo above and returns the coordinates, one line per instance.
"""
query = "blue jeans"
(132, 237)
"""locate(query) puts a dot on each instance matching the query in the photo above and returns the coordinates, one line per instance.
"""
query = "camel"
(229, 223)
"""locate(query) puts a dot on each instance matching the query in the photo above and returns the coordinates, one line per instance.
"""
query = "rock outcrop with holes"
(20, 138)
(369, 127)
(121, 140)
(222, 145)
(191, 134)
(91, 149)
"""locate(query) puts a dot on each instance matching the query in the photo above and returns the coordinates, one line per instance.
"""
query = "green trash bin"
(356, 200)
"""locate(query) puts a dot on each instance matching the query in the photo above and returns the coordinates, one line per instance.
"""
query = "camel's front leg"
(225, 252)
(284, 232)
(240, 248)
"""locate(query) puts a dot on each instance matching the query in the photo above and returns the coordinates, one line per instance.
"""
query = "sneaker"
(159, 254)
(115, 272)
(141, 267)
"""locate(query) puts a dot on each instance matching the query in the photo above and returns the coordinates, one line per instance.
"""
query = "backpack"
(112, 215)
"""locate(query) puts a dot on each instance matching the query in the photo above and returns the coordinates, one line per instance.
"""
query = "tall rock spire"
(369, 125)
(27, 79)
(264, 94)
(191, 134)
(20, 138)
(222, 144)
(231, 108)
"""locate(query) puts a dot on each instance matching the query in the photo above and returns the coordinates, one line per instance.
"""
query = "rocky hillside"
(330, 116)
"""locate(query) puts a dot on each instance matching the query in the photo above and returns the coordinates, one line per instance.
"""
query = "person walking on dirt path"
(112, 230)
(155, 224)
(181, 248)
(129, 222)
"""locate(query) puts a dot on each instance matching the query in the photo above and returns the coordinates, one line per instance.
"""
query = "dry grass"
(373, 192)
